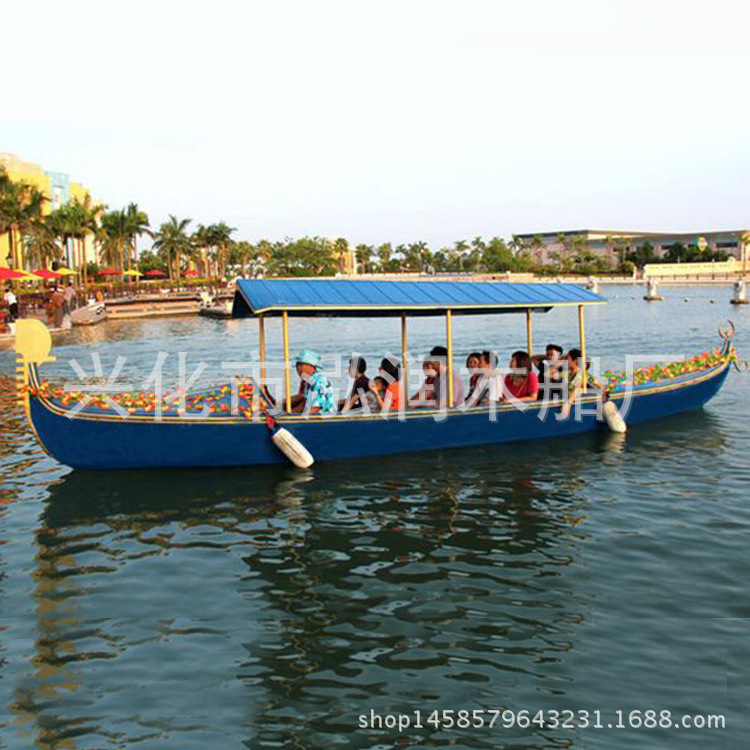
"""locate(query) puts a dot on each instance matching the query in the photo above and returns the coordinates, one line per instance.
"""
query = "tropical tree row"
(38, 237)
(60, 235)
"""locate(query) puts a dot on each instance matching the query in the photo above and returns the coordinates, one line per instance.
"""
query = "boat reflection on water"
(301, 600)
(13, 430)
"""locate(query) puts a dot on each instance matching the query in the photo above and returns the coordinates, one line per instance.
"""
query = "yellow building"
(57, 189)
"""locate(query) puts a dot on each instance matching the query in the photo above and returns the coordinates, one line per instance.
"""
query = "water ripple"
(270, 608)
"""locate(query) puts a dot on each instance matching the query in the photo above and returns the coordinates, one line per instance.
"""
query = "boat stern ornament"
(32, 346)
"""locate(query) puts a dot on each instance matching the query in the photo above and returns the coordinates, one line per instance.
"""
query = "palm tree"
(384, 254)
(570, 245)
(213, 242)
(222, 237)
(244, 254)
(42, 248)
(7, 189)
(413, 255)
(112, 237)
(137, 224)
(82, 219)
(424, 254)
(537, 249)
(440, 260)
(478, 249)
(343, 257)
(362, 254)
(90, 222)
(78, 217)
(58, 223)
(460, 250)
(265, 252)
(20, 207)
(202, 239)
(172, 242)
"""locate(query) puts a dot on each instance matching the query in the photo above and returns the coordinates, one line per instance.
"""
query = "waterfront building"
(609, 245)
(57, 188)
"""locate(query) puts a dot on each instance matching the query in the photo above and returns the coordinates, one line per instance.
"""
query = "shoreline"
(185, 303)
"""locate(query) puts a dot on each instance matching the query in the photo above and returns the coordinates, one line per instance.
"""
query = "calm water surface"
(270, 607)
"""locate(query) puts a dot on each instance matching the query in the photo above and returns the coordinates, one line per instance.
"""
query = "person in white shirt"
(12, 302)
(437, 372)
(488, 386)
(70, 299)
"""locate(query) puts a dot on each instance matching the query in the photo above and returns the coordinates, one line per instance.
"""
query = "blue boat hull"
(112, 443)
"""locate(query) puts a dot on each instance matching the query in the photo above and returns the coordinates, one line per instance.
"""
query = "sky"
(389, 121)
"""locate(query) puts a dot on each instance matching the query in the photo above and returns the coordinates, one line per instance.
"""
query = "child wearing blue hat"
(317, 394)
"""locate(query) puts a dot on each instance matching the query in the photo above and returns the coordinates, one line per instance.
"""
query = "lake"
(271, 608)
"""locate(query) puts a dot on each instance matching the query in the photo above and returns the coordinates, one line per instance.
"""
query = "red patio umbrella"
(191, 272)
(45, 273)
(6, 274)
(109, 272)
(155, 273)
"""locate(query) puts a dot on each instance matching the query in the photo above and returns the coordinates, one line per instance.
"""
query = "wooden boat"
(96, 439)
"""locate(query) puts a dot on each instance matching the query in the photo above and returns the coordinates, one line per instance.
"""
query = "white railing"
(712, 268)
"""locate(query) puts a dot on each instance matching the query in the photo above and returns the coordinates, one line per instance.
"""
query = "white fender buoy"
(652, 291)
(740, 293)
(292, 448)
(612, 417)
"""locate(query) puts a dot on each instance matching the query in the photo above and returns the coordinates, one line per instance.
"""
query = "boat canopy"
(364, 298)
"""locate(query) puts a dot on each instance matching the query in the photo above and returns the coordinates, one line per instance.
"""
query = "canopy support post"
(529, 343)
(582, 338)
(404, 371)
(262, 347)
(449, 347)
(287, 364)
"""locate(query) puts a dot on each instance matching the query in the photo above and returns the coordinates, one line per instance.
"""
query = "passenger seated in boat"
(425, 396)
(390, 372)
(577, 373)
(487, 386)
(299, 397)
(360, 386)
(438, 362)
(316, 388)
(523, 383)
(550, 366)
(376, 395)
(473, 365)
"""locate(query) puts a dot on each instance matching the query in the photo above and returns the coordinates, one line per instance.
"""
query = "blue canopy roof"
(351, 298)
